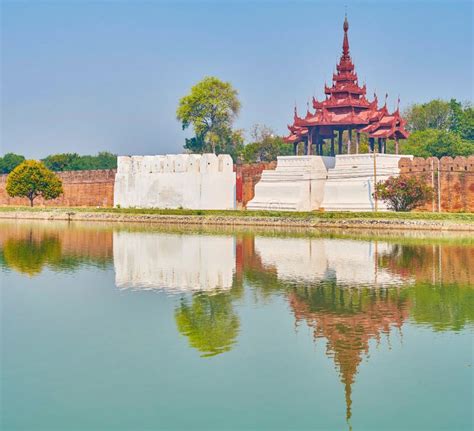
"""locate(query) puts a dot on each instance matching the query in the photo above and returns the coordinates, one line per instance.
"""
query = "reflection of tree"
(444, 307)
(348, 319)
(29, 255)
(209, 322)
(28, 248)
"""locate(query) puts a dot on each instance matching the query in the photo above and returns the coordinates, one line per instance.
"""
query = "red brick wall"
(81, 189)
(456, 181)
(246, 177)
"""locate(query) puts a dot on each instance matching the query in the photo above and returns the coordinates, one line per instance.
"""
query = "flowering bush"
(403, 193)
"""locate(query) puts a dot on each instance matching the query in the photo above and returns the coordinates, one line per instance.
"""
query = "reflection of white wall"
(174, 181)
(173, 261)
(346, 261)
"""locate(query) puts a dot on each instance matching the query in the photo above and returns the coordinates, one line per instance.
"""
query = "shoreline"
(216, 218)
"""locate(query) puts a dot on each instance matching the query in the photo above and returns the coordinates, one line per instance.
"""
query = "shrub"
(403, 193)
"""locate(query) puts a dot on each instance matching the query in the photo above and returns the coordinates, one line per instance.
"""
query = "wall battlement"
(191, 181)
(451, 178)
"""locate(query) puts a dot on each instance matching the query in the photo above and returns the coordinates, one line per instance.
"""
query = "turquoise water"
(142, 328)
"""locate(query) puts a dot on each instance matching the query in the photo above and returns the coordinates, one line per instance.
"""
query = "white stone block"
(297, 184)
(175, 181)
(350, 184)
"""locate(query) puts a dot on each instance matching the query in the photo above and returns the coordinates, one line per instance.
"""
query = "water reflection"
(348, 319)
(348, 290)
(209, 322)
(174, 262)
(30, 247)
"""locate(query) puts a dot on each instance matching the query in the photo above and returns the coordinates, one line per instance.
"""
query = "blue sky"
(84, 76)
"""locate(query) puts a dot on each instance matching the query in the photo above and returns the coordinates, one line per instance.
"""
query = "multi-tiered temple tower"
(346, 108)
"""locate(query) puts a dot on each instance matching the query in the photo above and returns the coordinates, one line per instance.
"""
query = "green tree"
(462, 119)
(403, 193)
(209, 322)
(60, 162)
(266, 146)
(75, 162)
(210, 108)
(9, 162)
(437, 143)
(32, 179)
(435, 114)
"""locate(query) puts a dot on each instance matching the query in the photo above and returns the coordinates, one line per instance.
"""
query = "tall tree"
(32, 179)
(210, 108)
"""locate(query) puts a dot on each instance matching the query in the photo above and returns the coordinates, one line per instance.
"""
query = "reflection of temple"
(183, 262)
(348, 319)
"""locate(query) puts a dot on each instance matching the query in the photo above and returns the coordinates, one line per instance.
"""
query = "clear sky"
(84, 76)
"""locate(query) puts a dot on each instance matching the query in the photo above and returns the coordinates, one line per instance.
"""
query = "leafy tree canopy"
(9, 162)
(75, 162)
(32, 179)
(265, 146)
(210, 108)
(440, 128)
(437, 143)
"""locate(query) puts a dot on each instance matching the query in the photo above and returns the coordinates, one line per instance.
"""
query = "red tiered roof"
(346, 106)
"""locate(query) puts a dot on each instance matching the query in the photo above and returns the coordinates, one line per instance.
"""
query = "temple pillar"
(349, 142)
(316, 133)
(339, 143)
(379, 143)
(321, 143)
(310, 142)
(332, 146)
(305, 147)
(295, 148)
(357, 142)
(371, 144)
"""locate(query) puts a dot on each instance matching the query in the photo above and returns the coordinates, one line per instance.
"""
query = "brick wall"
(81, 189)
(246, 177)
(456, 179)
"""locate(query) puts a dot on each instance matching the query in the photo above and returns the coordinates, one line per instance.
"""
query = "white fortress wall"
(173, 262)
(349, 262)
(350, 184)
(297, 184)
(185, 180)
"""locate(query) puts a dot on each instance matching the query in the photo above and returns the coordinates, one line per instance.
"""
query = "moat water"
(132, 327)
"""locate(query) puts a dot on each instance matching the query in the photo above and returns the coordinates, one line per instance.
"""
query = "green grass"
(455, 217)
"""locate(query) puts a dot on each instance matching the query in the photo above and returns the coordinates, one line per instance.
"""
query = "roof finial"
(345, 44)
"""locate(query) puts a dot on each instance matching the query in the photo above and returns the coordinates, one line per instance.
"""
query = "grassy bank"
(346, 220)
(336, 215)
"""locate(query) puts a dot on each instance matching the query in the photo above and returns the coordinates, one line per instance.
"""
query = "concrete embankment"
(244, 220)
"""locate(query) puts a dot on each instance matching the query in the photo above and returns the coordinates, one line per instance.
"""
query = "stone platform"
(297, 184)
(350, 184)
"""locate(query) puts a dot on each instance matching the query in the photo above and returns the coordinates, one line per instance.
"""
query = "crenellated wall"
(454, 191)
(190, 181)
(81, 189)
